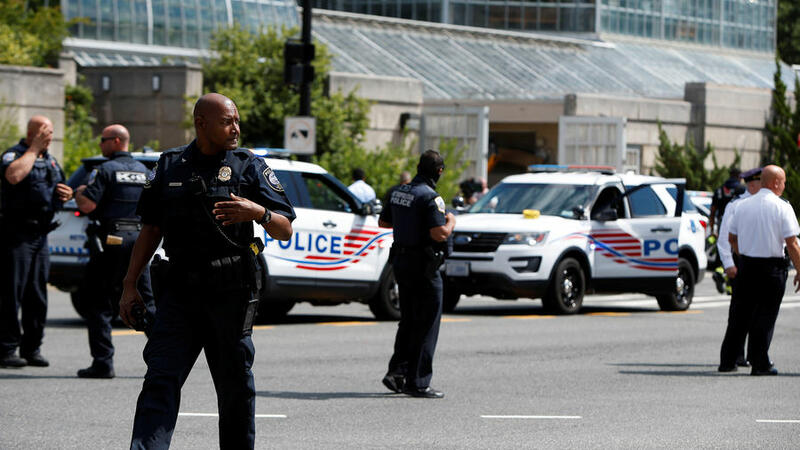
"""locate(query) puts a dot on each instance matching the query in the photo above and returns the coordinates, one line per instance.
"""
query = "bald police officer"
(110, 198)
(732, 352)
(32, 189)
(760, 228)
(202, 199)
(421, 227)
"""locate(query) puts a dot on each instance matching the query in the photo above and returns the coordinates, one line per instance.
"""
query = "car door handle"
(661, 230)
(329, 224)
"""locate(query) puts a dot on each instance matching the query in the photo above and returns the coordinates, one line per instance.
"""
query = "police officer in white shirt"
(360, 188)
(732, 352)
(761, 225)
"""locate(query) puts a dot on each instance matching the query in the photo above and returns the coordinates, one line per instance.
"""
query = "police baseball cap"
(752, 174)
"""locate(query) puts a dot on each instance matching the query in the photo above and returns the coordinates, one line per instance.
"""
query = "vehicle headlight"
(530, 239)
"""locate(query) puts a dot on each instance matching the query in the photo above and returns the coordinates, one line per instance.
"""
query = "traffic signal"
(297, 59)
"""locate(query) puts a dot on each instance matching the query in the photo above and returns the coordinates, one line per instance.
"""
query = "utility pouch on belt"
(434, 258)
(249, 316)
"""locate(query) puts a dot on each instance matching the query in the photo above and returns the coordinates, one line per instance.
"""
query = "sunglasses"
(103, 139)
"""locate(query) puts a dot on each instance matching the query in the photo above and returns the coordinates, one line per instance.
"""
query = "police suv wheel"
(567, 287)
(80, 303)
(681, 297)
(385, 304)
(450, 300)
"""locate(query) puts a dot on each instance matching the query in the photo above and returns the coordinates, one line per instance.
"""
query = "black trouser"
(191, 318)
(24, 268)
(761, 284)
(738, 318)
(102, 288)
(420, 315)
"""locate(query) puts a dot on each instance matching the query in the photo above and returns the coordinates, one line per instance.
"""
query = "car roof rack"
(538, 168)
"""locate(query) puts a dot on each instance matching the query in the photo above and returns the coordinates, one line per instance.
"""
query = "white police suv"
(337, 253)
(563, 231)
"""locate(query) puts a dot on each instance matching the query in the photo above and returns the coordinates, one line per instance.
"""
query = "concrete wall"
(150, 115)
(390, 98)
(28, 91)
(730, 118)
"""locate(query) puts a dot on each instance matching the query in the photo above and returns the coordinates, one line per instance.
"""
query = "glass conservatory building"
(172, 23)
(739, 24)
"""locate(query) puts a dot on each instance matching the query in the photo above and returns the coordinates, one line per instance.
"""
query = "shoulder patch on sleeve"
(151, 176)
(8, 157)
(92, 176)
(272, 180)
(440, 204)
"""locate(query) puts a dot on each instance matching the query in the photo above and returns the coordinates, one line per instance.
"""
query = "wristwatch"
(265, 218)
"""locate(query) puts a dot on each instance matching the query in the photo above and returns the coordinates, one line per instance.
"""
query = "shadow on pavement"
(21, 376)
(535, 310)
(320, 395)
(700, 370)
(313, 318)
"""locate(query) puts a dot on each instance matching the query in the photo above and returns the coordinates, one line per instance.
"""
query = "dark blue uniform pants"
(189, 320)
(738, 319)
(420, 315)
(25, 265)
(103, 287)
(762, 282)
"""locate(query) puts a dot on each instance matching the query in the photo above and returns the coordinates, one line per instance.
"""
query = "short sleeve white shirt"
(723, 245)
(762, 223)
(362, 191)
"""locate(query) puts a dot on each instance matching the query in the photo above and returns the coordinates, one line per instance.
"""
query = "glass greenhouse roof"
(466, 63)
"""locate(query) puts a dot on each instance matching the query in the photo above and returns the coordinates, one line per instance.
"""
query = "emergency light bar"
(266, 152)
(607, 170)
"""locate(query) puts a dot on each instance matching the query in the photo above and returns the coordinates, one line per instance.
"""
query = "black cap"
(752, 174)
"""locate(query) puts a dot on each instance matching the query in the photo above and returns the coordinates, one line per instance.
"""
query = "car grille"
(477, 242)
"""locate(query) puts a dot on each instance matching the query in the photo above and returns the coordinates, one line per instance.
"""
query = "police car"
(563, 231)
(337, 253)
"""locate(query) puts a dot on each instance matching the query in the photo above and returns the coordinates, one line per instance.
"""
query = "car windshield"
(549, 199)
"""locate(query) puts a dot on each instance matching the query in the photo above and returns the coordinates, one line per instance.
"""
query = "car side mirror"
(457, 201)
(606, 215)
(579, 212)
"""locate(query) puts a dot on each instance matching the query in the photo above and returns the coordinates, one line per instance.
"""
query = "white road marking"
(258, 416)
(777, 421)
(530, 417)
(708, 301)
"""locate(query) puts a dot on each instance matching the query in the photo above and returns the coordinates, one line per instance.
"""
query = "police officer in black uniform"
(110, 198)
(32, 189)
(421, 227)
(202, 199)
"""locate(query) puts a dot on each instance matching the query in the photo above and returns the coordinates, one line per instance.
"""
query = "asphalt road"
(619, 375)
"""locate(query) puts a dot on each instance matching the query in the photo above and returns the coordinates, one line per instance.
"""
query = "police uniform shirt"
(762, 223)
(33, 197)
(413, 210)
(115, 186)
(167, 187)
(723, 245)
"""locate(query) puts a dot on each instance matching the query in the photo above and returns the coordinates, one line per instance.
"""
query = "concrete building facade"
(28, 91)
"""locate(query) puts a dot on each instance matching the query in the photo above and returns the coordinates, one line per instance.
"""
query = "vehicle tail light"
(703, 223)
(77, 213)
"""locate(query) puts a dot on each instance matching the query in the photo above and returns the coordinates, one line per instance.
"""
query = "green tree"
(249, 69)
(684, 161)
(79, 142)
(31, 33)
(783, 131)
(788, 30)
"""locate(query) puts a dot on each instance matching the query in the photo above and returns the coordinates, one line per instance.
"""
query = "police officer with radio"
(110, 198)
(202, 198)
(763, 224)
(421, 228)
(32, 189)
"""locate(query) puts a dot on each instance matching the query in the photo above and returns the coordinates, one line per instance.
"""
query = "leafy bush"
(684, 161)
(783, 130)
(79, 142)
(31, 34)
